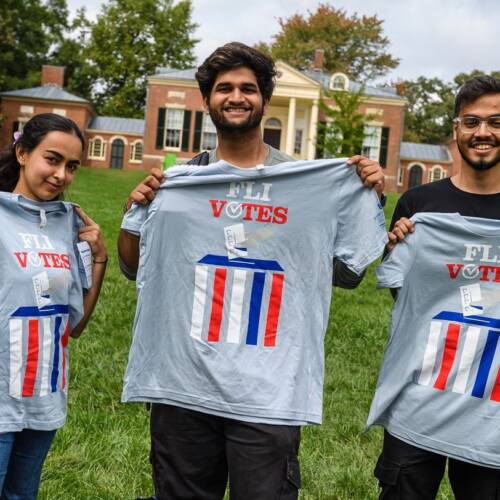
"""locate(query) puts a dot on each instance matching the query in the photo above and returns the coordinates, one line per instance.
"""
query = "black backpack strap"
(200, 159)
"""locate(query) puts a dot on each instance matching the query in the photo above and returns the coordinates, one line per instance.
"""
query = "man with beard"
(193, 451)
(404, 470)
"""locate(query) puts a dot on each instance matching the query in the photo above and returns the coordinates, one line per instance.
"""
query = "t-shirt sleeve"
(361, 235)
(134, 218)
(396, 266)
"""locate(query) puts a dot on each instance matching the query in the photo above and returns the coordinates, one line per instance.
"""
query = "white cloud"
(432, 38)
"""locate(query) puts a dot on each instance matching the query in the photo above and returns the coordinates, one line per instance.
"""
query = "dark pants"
(406, 472)
(193, 454)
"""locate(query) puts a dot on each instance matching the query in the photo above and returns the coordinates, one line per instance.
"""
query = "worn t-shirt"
(234, 285)
(41, 300)
(439, 386)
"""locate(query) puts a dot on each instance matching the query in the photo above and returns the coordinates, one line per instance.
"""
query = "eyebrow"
(60, 156)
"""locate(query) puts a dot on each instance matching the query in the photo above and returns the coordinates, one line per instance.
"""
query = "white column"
(313, 128)
(290, 129)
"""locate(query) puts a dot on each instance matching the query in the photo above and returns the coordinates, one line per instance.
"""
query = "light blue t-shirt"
(439, 385)
(41, 300)
(234, 285)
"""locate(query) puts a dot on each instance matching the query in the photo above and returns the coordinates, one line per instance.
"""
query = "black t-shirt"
(444, 196)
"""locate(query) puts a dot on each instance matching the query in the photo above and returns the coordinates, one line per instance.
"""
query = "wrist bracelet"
(101, 261)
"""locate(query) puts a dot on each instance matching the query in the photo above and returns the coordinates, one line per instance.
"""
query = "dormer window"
(339, 81)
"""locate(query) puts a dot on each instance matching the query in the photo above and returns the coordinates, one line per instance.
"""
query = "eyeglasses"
(470, 124)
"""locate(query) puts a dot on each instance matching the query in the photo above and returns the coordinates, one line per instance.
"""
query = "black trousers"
(193, 454)
(406, 472)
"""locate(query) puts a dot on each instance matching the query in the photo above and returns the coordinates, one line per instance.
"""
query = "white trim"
(114, 137)
(174, 105)
(336, 75)
(132, 151)
(435, 168)
(418, 164)
(90, 151)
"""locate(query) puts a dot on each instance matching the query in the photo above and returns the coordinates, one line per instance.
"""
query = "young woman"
(48, 289)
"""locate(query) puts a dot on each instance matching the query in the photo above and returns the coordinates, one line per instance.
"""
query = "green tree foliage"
(430, 111)
(128, 41)
(354, 45)
(29, 30)
(344, 130)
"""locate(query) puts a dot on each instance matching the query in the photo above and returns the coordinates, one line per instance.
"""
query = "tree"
(28, 32)
(129, 40)
(353, 45)
(430, 111)
(344, 131)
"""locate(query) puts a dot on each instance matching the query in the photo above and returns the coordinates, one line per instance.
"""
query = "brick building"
(176, 124)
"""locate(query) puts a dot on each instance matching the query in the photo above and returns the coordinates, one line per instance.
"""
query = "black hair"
(474, 88)
(236, 55)
(32, 135)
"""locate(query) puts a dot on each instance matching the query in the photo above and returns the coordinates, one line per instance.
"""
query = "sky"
(432, 38)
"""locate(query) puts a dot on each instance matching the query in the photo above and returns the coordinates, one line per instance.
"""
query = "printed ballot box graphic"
(246, 291)
(38, 342)
(462, 355)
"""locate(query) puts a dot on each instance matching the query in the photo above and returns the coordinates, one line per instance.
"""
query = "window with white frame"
(297, 148)
(173, 127)
(209, 135)
(437, 173)
(96, 148)
(339, 81)
(371, 142)
(136, 151)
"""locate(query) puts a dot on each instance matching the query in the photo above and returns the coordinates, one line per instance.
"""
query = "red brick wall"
(108, 138)
(157, 98)
(53, 75)
(427, 166)
(81, 114)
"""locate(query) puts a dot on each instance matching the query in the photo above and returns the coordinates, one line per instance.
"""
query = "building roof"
(324, 80)
(47, 92)
(424, 152)
(114, 124)
(178, 74)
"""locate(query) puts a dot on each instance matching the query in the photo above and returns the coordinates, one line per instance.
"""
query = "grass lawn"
(102, 452)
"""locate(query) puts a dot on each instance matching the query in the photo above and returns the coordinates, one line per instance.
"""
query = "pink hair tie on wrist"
(17, 137)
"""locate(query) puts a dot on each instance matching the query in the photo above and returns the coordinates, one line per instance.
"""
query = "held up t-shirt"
(234, 285)
(439, 385)
(41, 300)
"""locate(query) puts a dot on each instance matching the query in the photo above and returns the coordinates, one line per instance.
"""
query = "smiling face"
(235, 102)
(47, 170)
(481, 148)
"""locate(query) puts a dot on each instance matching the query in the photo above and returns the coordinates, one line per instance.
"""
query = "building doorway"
(272, 132)
(415, 176)
(117, 151)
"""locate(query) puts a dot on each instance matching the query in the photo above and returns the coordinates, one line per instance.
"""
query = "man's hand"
(145, 192)
(402, 227)
(370, 172)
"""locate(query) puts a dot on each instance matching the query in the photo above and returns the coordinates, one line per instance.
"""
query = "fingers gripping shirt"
(235, 281)
(439, 385)
(40, 301)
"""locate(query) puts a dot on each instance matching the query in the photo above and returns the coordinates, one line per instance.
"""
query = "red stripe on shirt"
(32, 360)
(64, 344)
(273, 312)
(449, 353)
(217, 305)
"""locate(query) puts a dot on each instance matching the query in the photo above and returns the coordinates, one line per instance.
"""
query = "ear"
(20, 154)
(205, 104)
(455, 125)
(265, 108)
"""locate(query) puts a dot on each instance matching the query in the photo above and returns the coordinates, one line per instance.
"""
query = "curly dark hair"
(474, 88)
(33, 134)
(236, 55)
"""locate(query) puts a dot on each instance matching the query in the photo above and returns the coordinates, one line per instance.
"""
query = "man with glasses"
(408, 470)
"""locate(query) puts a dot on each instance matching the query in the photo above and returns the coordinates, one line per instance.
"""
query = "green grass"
(102, 451)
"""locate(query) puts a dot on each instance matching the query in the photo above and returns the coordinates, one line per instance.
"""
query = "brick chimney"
(319, 57)
(53, 75)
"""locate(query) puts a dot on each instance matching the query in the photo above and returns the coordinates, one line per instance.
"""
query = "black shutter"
(186, 127)
(160, 129)
(384, 147)
(198, 125)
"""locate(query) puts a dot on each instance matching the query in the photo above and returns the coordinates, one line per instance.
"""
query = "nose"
(60, 173)
(483, 128)
(236, 95)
